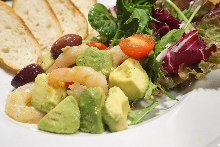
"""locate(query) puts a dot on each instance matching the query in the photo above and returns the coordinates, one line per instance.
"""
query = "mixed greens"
(167, 23)
(132, 17)
(186, 34)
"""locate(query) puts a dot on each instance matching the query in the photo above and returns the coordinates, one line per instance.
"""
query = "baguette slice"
(18, 47)
(40, 18)
(84, 6)
(71, 19)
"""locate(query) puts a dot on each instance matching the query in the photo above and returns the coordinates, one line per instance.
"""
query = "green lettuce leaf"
(209, 27)
(151, 65)
(143, 18)
(150, 89)
(171, 37)
(102, 21)
(133, 16)
(138, 116)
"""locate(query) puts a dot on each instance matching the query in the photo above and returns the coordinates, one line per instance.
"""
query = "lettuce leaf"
(170, 38)
(189, 50)
(143, 18)
(133, 16)
(149, 92)
(164, 22)
(186, 75)
(101, 20)
(152, 67)
(151, 64)
(209, 27)
(138, 116)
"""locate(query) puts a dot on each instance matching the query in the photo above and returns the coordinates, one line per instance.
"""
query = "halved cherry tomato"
(99, 45)
(137, 46)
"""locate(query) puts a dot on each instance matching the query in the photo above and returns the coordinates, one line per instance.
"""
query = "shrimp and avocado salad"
(144, 49)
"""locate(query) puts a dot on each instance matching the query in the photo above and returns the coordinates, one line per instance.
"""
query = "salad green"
(104, 22)
(136, 117)
(209, 28)
(133, 16)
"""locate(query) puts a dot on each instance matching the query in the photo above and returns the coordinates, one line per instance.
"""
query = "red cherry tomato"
(137, 46)
(99, 45)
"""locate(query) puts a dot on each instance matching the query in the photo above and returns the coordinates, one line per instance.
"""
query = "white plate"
(193, 122)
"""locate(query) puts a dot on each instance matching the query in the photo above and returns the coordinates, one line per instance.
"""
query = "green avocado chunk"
(91, 102)
(46, 61)
(131, 78)
(116, 110)
(99, 60)
(63, 119)
(44, 96)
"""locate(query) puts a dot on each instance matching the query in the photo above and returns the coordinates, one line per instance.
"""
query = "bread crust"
(3, 61)
(84, 10)
(73, 9)
(54, 15)
(45, 42)
(80, 13)
(50, 9)
(21, 20)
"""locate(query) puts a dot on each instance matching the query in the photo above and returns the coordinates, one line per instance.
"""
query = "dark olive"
(26, 75)
(66, 40)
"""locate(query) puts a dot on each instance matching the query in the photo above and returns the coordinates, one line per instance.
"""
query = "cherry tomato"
(99, 45)
(137, 46)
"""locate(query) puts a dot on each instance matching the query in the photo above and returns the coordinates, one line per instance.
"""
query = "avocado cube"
(116, 110)
(63, 119)
(99, 60)
(44, 96)
(131, 78)
(46, 61)
(91, 102)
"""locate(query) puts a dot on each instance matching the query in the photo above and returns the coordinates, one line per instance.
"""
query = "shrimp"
(86, 76)
(68, 57)
(70, 54)
(18, 105)
(117, 56)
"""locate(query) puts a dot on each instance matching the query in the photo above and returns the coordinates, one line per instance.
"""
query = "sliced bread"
(84, 6)
(18, 47)
(71, 19)
(41, 20)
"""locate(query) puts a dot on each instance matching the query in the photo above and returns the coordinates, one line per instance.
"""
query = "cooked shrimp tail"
(86, 76)
(68, 57)
(18, 105)
(117, 56)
